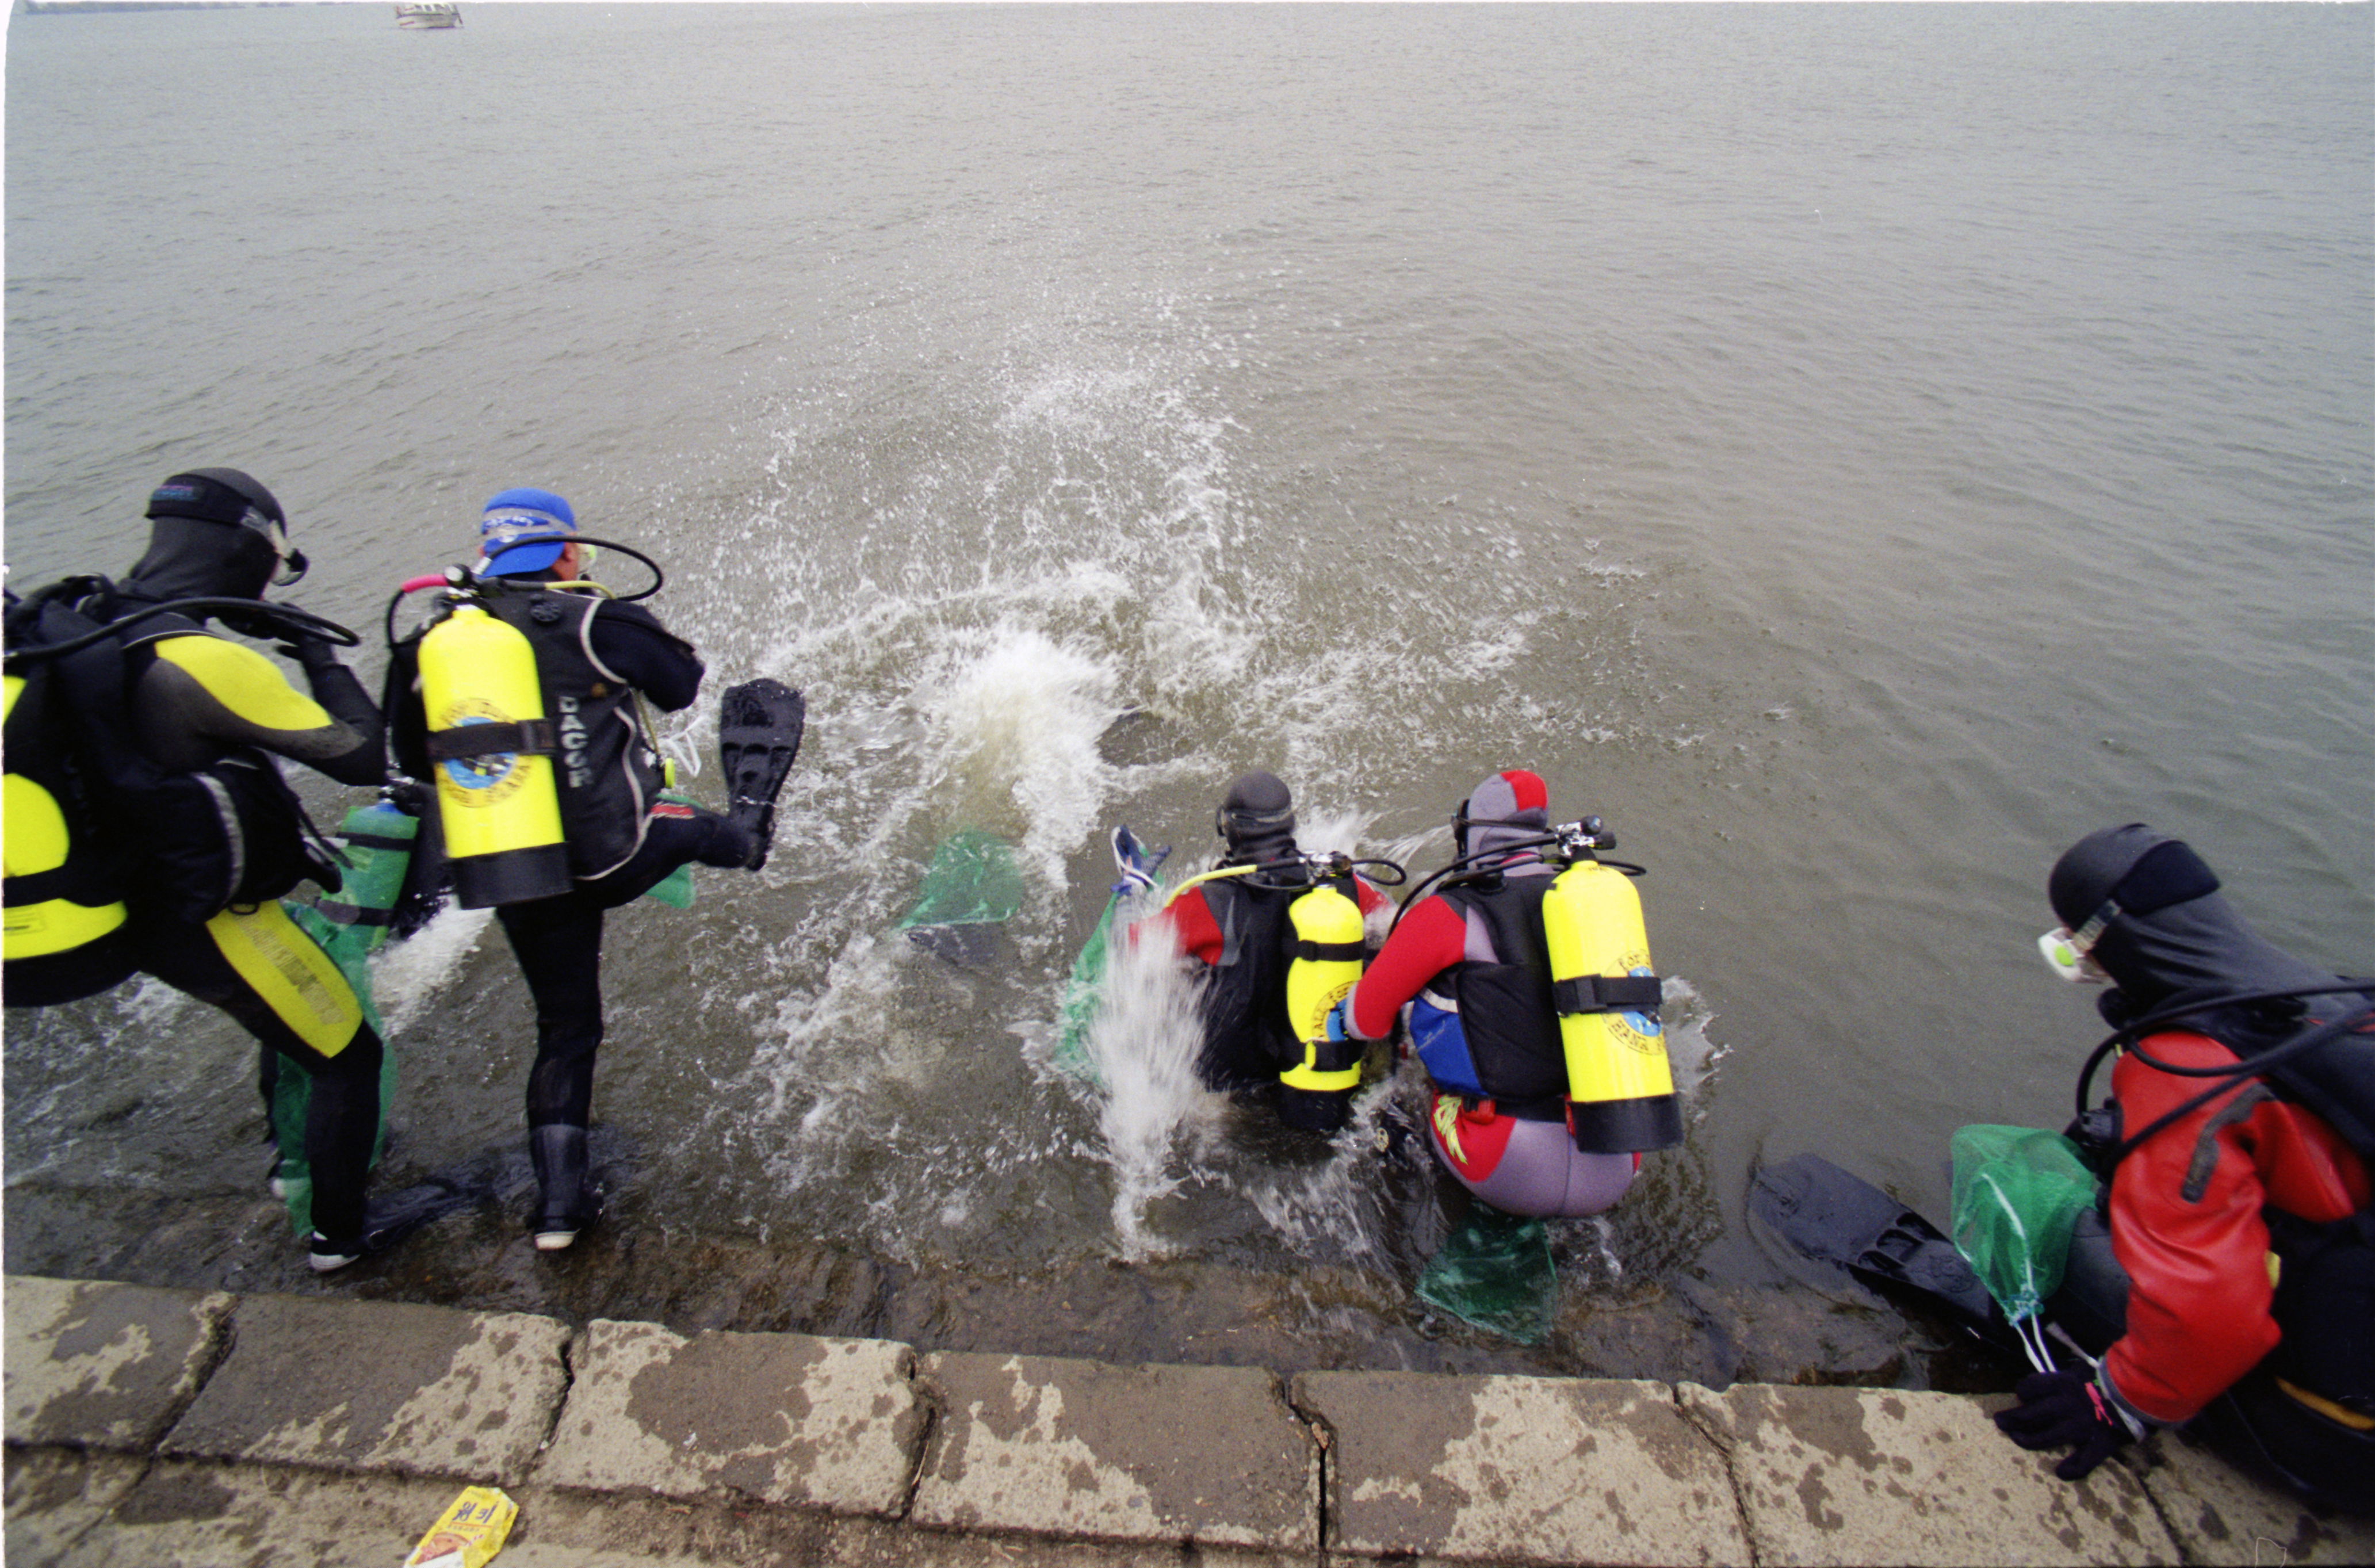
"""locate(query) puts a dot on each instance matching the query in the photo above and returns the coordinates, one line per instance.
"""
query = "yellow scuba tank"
(493, 748)
(45, 916)
(1620, 1084)
(1328, 957)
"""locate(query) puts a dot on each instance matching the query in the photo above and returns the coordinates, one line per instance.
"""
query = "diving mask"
(2070, 954)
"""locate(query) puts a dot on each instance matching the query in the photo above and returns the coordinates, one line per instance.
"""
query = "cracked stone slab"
(102, 1365)
(380, 1386)
(1050, 1446)
(788, 1419)
(1531, 1469)
(2221, 1515)
(1871, 1475)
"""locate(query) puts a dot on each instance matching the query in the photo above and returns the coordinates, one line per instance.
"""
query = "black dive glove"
(313, 653)
(2066, 1410)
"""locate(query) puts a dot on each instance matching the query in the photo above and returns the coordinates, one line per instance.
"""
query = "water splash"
(407, 976)
(1143, 1043)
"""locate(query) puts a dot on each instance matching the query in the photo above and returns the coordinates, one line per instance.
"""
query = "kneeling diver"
(596, 659)
(1524, 1113)
(1255, 924)
(2228, 1278)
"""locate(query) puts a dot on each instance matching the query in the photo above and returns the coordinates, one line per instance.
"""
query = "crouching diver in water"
(2228, 1276)
(1279, 934)
(1532, 1008)
(150, 831)
(522, 702)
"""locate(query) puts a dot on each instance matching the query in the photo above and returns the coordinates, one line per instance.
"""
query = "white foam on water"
(1143, 1041)
(1018, 724)
(406, 977)
(1336, 1211)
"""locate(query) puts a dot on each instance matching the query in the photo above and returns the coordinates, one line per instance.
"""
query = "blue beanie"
(523, 531)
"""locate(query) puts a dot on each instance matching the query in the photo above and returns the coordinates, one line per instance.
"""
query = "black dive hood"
(1256, 818)
(196, 558)
(2170, 941)
(2169, 937)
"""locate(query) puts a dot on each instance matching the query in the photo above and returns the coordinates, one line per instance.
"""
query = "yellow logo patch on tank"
(484, 780)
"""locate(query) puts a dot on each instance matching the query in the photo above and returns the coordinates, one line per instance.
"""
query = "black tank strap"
(1330, 952)
(533, 736)
(1607, 993)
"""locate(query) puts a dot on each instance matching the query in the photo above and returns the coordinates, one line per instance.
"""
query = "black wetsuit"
(558, 940)
(196, 701)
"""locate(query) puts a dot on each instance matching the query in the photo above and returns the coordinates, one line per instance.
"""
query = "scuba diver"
(1490, 1020)
(596, 659)
(150, 831)
(1252, 923)
(2229, 1279)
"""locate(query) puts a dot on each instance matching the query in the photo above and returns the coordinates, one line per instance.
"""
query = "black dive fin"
(759, 727)
(1838, 1218)
(388, 1218)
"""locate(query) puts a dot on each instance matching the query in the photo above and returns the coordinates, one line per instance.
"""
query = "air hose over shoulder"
(491, 744)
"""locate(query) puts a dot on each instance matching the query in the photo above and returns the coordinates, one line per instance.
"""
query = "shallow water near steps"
(1855, 451)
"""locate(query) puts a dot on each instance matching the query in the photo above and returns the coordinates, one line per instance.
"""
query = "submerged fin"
(971, 888)
(1838, 1218)
(1495, 1272)
(388, 1218)
(759, 728)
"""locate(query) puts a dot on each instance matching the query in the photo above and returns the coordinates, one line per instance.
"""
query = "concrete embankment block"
(1862, 1475)
(55, 1496)
(380, 1386)
(1052, 1446)
(1529, 1469)
(782, 1418)
(2221, 1515)
(104, 1367)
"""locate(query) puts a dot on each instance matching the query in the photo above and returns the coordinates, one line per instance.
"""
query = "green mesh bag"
(972, 881)
(1495, 1273)
(2018, 1192)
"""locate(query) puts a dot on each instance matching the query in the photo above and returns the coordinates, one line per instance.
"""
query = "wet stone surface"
(785, 1419)
(380, 1386)
(110, 1365)
(1841, 1475)
(1528, 1470)
(1170, 1310)
(1046, 1445)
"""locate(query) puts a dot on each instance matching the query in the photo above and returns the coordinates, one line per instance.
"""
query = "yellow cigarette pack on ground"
(469, 1532)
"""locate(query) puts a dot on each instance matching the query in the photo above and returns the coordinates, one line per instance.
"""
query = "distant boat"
(428, 14)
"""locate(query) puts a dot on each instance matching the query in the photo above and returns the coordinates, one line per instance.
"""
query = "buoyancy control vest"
(607, 771)
(96, 830)
(1490, 1030)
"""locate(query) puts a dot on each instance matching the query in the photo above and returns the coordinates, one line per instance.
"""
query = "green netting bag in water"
(972, 881)
(1495, 1272)
(2018, 1192)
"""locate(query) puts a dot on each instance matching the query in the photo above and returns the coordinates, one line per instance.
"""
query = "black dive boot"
(564, 1203)
(759, 726)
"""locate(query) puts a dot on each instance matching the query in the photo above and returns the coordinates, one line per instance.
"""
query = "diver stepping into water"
(554, 812)
(148, 828)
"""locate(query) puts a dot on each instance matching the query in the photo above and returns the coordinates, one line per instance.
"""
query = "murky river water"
(1855, 451)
